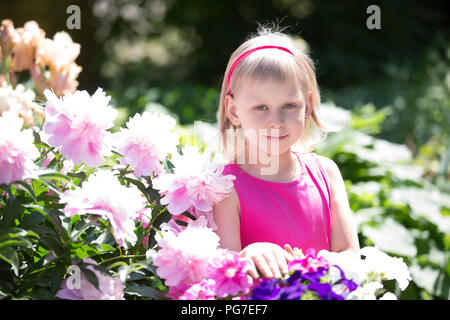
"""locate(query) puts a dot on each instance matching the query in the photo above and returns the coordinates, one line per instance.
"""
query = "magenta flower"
(17, 151)
(146, 142)
(230, 273)
(196, 183)
(77, 287)
(204, 290)
(103, 195)
(78, 124)
(309, 264)
(183, 258)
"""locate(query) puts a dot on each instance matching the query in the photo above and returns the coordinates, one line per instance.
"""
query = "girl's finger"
(252, 270)
(261, 264)
(289, 253)
(280, 255)
(288, 248)
(271, 260)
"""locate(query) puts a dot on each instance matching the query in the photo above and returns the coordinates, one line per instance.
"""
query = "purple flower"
(292, 292)
(351, 286)
(268, 289)
(324, 291)
(314, 276)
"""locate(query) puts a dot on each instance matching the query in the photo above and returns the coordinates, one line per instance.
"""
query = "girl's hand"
(270, 259)
(296, 252)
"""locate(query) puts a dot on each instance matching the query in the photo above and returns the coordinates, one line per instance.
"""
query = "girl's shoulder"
(231, 202)
(328, 165)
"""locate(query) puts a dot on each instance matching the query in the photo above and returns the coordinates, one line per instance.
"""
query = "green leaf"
(142, 291)
(53, 243)
(22, 242)
(391, 236)
(51, 186)
(157, 220)
(90, 275)
(55, 176)
(11, 210)
(80, 175)
(32, 219)
(9, 255)
(27, 188)
(53, 216)
(149, 192)
(433, 280)
(168, 165)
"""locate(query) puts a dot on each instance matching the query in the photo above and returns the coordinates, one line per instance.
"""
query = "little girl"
(285, 196)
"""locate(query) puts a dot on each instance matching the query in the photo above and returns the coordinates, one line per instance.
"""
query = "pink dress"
(296, 213)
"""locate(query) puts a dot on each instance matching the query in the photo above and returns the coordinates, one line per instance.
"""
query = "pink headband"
(246, 53)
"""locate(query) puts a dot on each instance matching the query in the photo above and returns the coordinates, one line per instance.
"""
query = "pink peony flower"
(109, 288)
(208, 215)
(63, 79)
(230, 274)
(103, 195)
(183, 258)
(204, 290)
(9, 37)
(196, 184)
(59, 51)
(17, 151)
(77, 123)
(147, 141)
(310, 263)
(24, 50)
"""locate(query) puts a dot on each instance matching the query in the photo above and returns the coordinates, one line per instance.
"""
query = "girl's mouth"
(276, 138)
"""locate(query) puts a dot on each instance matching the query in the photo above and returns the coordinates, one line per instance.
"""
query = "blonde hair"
(262, 65)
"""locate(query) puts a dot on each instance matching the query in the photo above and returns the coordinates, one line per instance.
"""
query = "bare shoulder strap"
(318, 175)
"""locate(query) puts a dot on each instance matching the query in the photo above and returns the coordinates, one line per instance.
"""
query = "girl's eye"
(260, 107)
(290, 106)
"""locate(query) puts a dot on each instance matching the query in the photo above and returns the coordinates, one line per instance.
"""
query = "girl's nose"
(276, 122)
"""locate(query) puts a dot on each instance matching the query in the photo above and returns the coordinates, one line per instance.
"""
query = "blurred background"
(391, 86)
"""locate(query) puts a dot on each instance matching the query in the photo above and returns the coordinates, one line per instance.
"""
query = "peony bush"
(88, 214)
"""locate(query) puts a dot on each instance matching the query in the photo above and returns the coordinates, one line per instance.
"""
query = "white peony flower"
(20, 101)
(147, 141)
(349, 263)
(387, 267)
(366, 292)
(388, 296)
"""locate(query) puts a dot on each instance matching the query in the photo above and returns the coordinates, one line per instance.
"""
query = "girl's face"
(271, 114)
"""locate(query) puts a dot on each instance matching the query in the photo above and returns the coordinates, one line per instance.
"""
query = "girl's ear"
(230, 109)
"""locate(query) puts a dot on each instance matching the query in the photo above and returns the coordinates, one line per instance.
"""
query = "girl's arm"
(344, 236)
(270, 259)
(226, 217)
